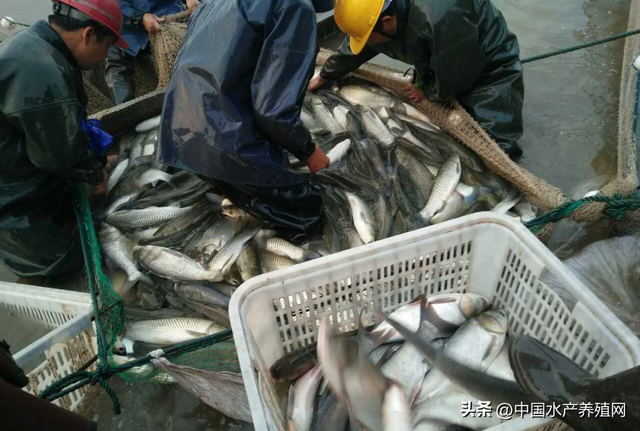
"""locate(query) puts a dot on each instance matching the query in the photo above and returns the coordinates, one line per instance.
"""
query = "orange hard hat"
(105, 12)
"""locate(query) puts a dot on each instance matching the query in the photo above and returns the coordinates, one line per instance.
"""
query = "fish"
(384, 215)
(453, 206)
(143, 234)
(294, 364)
(405, 193)
(311, 123)
(211, 312)
(396, 413)
(171, 298)
(407, 367)
(340, 114)
(118, 250)
(526, 210)
(116, 174)
(183, 227)
(284, 248)
(409, 111)
(334, 155)
(501, 366)
(302, 397)
(248, 263)
(372, 152)
(352, 377)
(221, 263)
(445, 311)
(446, 409)
(137, 313)
(219, 235)
(233, 277)
(172, 264)
(202, 293)
(510, 200)
(449, 145)
(355, 125)
(367, 96)
(430, 127)
(445, 183)
(171, 331)
(375, 128)
(122, 201)
(332, 414)
(149, 217)
(149, 296)
(152, 176)
(363, 218)
(324, 116)
(420, 175)
(476, 344)
(476, 383)
(150, 124)
(272, 262)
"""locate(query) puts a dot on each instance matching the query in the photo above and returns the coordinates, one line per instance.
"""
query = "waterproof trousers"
(292, 209)
(119, 75)
(48, 249)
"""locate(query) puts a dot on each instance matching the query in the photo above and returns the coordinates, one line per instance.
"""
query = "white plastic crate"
(70, 344)
(483, 253)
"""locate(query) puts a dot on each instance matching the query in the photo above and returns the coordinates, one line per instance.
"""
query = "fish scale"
(363, 217)
(171, 264)
(248, 263)
(221, 264)
(171, 331)
(324, 116)
(421, 176)
(359, 95)
(138, 219)
(375, 127)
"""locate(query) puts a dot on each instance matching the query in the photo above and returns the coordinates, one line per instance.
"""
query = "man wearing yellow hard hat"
(460, 49)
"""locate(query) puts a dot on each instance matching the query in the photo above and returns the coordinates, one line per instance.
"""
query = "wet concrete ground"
(570, 114)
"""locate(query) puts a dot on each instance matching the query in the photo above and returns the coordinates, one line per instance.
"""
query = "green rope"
(615, 208)
(579, 47)
(100, 288)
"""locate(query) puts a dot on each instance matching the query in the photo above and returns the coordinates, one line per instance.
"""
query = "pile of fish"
(185, 250)
(373, 380)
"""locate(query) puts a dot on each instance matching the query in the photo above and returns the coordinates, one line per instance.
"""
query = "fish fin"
(492, 345)
(128, 346)
(291, 402)
(323, 386)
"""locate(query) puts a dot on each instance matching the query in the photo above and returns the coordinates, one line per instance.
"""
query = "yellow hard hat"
(357, 19)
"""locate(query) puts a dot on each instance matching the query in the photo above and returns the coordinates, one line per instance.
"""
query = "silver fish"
(350, 238)
(334, 155)
(202, 293)
(445, 183)
(363, 218)
(501, 366)
(368, 96)
(143, 234)
(476, 344)
(233, 277)
(410, 111)
(422, 178)
(372, 151)
(272, 262)
(215, 314)
(526, 210)
(302, 397)
(149, 217)
(324, 117)
(407, 367)
(137, 313)
(221, 264)
(340, 114)
(510, 200)
(119, 203)
(116, 174)
(248, 263)
(171, 331)
(396, 413)
(117, 249)
(384, 217)
(171, 264)
(352, 377)
(453, 206)
(375, 127)
(150, 124)
(153, 176)
(430, 127)
(284, 248)
(445, 409)
(219, 235)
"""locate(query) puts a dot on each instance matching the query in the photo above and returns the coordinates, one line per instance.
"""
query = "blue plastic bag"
(99, 140)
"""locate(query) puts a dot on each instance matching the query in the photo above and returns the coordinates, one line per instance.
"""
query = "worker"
(229, 112)
(460, 50)
(45, 140)
(141, 19)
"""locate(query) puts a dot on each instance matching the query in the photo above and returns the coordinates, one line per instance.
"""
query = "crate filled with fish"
(376, 380)
(181, 250)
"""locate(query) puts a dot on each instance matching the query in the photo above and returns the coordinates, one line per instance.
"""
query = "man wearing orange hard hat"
(46, 141)
(460, 50)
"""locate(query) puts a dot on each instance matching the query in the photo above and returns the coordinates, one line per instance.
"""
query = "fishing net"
(166, 44)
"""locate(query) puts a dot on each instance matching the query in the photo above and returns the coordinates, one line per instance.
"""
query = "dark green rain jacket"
(42, 149)
(460, 49)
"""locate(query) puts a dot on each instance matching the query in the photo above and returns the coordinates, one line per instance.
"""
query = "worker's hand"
(317, 83)
(193, 4)
(415, 95)
(111, 162)
(93, 190)
(151, 22)
(318, 161)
